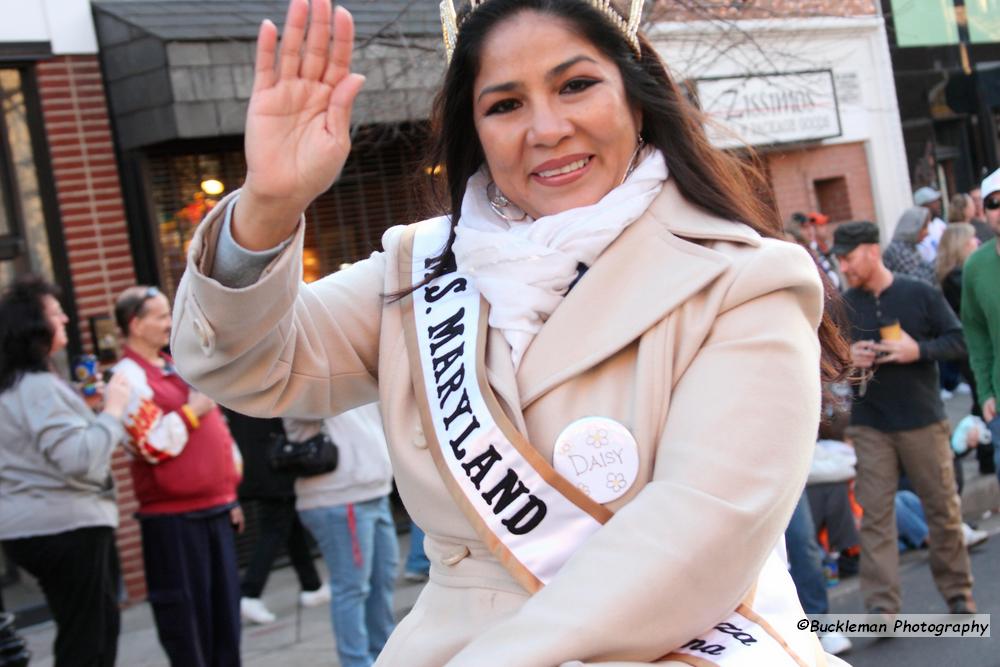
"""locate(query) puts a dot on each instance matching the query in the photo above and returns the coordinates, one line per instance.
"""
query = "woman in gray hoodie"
(58, 513)
(902, 256)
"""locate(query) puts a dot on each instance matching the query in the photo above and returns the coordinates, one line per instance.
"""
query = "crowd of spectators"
(923, 317)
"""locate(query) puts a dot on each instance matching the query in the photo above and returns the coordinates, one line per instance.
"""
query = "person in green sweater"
(981, 312)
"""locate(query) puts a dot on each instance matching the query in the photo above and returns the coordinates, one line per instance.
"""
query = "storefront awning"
(184, 70)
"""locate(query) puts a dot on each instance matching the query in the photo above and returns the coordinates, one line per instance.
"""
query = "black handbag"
(314, 456)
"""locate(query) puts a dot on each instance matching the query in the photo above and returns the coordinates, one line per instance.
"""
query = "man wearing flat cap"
(900, 328)
(981, 311)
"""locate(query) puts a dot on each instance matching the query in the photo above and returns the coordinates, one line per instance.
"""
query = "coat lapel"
(646, 273)
(500, 374)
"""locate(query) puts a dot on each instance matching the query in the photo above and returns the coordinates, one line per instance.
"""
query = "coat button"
(419, 440)
(205, 338)
(456, 557)
(199, 330)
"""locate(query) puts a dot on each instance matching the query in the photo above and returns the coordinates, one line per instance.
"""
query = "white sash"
(531, 518)
(528, 515)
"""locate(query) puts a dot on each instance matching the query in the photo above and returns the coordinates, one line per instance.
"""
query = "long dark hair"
(721, 183)
(25, 334)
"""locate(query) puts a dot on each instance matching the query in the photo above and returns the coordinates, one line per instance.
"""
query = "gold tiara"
(628, 27)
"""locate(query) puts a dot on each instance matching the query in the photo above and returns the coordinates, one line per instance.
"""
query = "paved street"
(284, 643)
(979, 497)
(921, 597)
(310, 642)
(277, 644)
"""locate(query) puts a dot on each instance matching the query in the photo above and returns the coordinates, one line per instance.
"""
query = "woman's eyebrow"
(562, 67)
(552, 73)
(498, 88)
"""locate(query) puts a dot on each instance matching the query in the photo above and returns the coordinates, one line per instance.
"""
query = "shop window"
(344, 224)
(924, 22)
(984, 21)
(375, 192)
(24, 241)
(833, 198)
(184, 189)
(10, 240)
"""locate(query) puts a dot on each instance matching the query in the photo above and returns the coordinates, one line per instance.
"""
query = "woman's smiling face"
(57, 320)
(553, 119)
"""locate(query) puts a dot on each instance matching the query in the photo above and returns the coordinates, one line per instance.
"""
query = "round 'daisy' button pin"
(599, 456)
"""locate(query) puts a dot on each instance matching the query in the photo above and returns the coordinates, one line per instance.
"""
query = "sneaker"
(415, 577)
(962, 604)
(315, 598)
(884, 616)
(254, 610)
(972, 536)
(963, 388)
(835, 643)
(946, 395)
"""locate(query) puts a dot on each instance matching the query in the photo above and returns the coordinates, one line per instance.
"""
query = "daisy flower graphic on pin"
(565, 447)
(616, 481)
(597, 437)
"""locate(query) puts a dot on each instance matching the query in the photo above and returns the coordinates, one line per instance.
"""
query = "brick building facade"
(686, 10)
(89, 195)
(833, 179)
(834, 53)
(64, 201)
(85, 173)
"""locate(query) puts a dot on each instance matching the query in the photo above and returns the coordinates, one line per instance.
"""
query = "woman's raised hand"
(298, 122)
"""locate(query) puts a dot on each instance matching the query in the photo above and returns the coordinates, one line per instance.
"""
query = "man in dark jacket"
(900, 328)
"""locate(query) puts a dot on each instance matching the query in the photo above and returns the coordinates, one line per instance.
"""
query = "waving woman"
(599, 371)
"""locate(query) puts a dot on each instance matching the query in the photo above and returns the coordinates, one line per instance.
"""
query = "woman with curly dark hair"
(58, 513)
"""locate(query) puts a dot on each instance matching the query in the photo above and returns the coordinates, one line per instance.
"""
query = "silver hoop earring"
(633, 161)
(498, 202)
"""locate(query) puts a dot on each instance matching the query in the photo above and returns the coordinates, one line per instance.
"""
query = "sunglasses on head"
(137, 306)
(992, 204)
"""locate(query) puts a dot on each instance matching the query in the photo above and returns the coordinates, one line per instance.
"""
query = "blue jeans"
(416, 560)
(949, 374)
(994, 427)
(358, 542)
(911, 524)
(806, 560)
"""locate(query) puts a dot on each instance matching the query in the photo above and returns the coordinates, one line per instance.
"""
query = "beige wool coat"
(694, 332)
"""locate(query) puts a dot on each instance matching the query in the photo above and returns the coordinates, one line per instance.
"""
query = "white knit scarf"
(524, 269)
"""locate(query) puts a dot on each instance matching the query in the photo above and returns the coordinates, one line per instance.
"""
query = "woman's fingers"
(317, 41)
(338, 114)
(264, 75)
(291, 38)
(339, 64)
